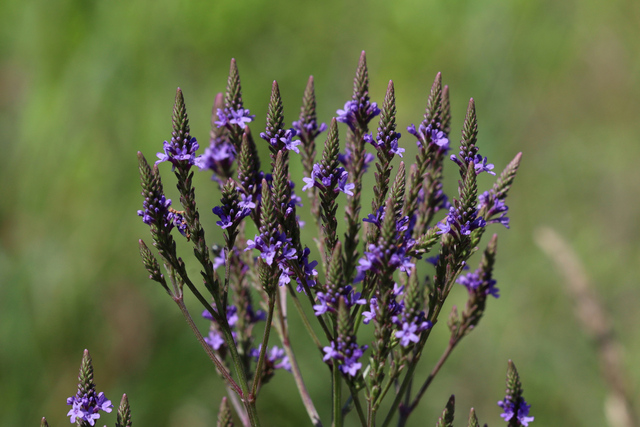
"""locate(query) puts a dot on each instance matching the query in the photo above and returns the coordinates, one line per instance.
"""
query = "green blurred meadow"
(85, 84)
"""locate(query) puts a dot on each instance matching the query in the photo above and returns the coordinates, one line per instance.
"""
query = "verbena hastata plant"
(366, 278)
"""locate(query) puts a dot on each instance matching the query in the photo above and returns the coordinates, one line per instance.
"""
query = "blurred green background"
(85, 84)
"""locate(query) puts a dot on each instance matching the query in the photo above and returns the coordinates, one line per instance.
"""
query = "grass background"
(85, 84)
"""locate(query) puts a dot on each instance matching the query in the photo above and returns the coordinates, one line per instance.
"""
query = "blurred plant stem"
(596, 322)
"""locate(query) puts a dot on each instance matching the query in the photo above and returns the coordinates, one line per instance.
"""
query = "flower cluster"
(282, 139)
(389, 142)
(346, 353)
(455, 225)
(328, 302)
(215, 338)
(229, 116)
(384, 257)
(355, 112)
(311, 128)
(331, 180)
(230, 215)
(276, 358)
(218, 156)
(87, 407)
(519, 410)
(474, 281)
(346, 159)
(427, 134)
(370, 273)
(479, 163)
(493, 207)
(179, 152)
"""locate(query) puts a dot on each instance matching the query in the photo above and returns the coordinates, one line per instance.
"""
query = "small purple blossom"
(374, 260)
(230, 216)
(453, 225)
(275, 358)
(354, 113)
(346, 355)
(310, 129)
(157, 211)
(87, 407)
(328, 302)
(479, 163)
(179, 152)
(239, 117)
(474, 281)
(282, 140)
(333, 181)
(429, 135)
(493, 206)
(218, 157)
(347, 158)
(510, 409)
(390, 143)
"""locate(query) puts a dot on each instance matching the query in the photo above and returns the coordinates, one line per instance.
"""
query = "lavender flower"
(391, 143)
(229, 116)
(429, 135)
(346, 354)
(493, 206)
(275, 358)
(347, 158)
(86, 404)
(520, 411)
(473, 281)
(326, 180)
(311, 128)
(328, 302)
(355, 112)
(218, 157)
(453, 225)
(283, 140)
(479, 163)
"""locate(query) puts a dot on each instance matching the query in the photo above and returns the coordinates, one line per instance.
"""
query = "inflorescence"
(368, 273)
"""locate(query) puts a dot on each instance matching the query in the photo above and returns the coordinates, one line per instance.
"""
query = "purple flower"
(157, 211)
(311, 129)
(354, 113)
(215, 339)
(390, 143)
(87, 407)
(346, 159)
(282, 140)
(277, 249)
(479, 163)
(329, 180)
(408, 334)
(228, 117)
(328, 302)
(493, 206)
(429, 135)
(218, 157)
(346, 355)
(179, 152)
(520, 411)
(275, 358)
(473, 282)
(453, 224)
(377, 260)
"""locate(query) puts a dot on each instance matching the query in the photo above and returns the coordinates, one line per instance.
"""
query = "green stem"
(304, 318)
(357, 404)
(283, 331)
(337, 395)
(221, 368)
(263, 348)
(248, 399)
